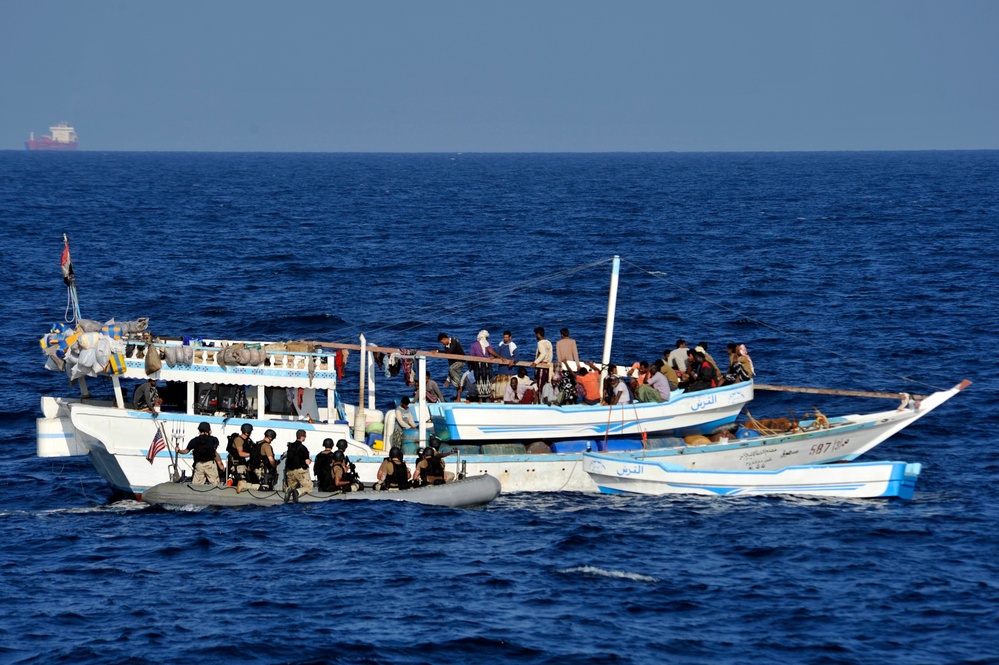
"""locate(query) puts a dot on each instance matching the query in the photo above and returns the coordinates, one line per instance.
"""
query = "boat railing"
(249, 354)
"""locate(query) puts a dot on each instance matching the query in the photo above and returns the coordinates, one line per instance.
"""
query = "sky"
(502, 76)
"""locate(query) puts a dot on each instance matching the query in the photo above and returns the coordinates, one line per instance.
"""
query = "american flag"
(157, 446)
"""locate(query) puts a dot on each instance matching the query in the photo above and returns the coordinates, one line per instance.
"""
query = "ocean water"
(872, 271)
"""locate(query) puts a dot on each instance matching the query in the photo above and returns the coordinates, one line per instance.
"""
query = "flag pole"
(70, 279)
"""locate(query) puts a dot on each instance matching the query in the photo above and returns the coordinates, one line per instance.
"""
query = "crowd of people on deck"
(560, 377)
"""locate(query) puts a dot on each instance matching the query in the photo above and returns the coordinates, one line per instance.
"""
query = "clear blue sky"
(538, 75)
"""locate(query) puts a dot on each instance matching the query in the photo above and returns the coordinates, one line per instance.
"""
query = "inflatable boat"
(469, 491)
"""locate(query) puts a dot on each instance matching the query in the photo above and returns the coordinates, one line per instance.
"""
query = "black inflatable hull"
(471, 491)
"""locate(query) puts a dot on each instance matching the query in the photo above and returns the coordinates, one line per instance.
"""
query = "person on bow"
(207, 463)
(323, 467)
(481, 348)
(455, 367)
(297, 461)
(507, 350)
(542, 357)
(393, 472)
(566, 351)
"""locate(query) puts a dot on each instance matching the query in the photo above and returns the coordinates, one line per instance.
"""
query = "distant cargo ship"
(63, 137)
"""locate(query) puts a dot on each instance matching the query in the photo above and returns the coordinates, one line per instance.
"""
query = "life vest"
(203, 447)
(255, 457)
(324, 471)
(345, 476)
(434, 469)
(297, 454)
(399, 476)
(707, 372)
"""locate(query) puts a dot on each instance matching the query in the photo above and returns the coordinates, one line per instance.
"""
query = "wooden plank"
(832, 391)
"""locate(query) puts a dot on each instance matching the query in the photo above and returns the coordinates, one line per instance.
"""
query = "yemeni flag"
(67, 263)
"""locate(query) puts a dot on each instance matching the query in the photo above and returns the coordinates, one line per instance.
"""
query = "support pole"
(421, 409)
(371, 380)
(611, 310)
(359, 414)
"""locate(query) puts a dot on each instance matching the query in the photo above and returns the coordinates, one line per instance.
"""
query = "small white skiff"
(855, 480)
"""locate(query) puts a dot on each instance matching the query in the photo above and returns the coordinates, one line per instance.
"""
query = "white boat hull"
(685, 413)
(853, 480)
(117, 441)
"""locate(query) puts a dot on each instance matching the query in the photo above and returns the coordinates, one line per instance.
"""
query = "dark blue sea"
(870, 271)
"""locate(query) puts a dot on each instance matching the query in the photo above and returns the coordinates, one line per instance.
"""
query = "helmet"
(327, 443)
(204, 427)
(246, 428)
(395, 451)
(270, 433)
(419, 452)
(341, 444)
(434, 442)
(338, 456)
(429, 451)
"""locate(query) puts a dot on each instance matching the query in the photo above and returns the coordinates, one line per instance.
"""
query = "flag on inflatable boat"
(66, 263)
(156, 447)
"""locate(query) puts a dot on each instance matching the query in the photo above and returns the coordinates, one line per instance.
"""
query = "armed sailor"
(207, 462)
(323, 467)
(344, 479)
(430, 470)
(263, 467)
(297, 461)
(393, 473)
(239, 456)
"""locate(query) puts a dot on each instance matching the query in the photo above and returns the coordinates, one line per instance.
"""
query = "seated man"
(393, 473)
(526, 389)
(658, 382)
(430, 469)
(146, 397)
(510, 392)
(344, 479)
(619, 391)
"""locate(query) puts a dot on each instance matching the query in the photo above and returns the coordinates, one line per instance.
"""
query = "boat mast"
(359, 414)
(611, 308)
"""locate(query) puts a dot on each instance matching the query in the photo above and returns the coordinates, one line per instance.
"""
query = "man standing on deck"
(566, 350)
(542, 357)
(207, 462)
(262, 462)
(508, 350)
(297, 461)
(455, 367)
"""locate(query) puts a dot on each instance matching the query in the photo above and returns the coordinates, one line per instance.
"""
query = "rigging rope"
(468, 302)
(658, 274)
